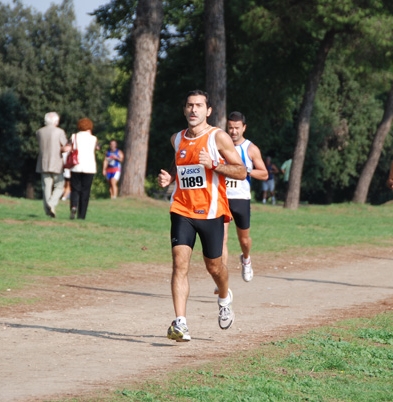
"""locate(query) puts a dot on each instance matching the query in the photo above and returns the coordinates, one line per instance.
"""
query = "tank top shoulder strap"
(178, 138)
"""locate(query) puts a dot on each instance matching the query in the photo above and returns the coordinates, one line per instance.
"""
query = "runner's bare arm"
(234, 167)
(259, 170)
(121, 156)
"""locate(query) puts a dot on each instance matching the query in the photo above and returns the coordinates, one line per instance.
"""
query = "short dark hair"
(196, 92)
(237, 116)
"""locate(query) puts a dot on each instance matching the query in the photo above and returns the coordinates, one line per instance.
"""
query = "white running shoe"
(226, 316)
(247, 272)
(178, 332)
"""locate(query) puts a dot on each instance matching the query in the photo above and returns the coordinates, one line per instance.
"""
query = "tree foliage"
(47, 64)
(180, 66)
(268, 65)
(271, 48)
(300, 27)
(11, 143)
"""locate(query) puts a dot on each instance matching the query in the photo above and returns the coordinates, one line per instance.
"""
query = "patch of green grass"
(127, 231)
(114, 234)
(318, 226)
(335, 363)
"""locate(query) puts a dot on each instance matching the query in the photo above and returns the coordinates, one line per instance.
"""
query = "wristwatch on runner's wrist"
(214, 165)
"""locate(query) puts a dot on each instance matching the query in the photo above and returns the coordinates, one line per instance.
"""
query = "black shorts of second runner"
(210, 231)
(241, 212)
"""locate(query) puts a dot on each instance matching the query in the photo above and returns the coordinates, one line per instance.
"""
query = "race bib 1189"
(191, 177)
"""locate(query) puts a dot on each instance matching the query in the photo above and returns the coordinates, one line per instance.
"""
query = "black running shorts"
(241, 212)
(210, 231)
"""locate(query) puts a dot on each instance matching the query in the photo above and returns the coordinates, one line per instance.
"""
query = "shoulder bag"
(72, 157)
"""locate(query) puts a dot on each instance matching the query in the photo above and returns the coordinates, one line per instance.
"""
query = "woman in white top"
(82, 174)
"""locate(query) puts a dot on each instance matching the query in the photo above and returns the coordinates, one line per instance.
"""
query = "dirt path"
(100, 331)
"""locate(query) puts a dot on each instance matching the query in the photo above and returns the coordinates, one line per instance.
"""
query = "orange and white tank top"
(199, 193)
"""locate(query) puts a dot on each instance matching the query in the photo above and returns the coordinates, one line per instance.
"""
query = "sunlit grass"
(124, 231)
(350, 361)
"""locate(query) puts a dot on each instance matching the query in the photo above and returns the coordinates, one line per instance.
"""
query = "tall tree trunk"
(363, 185)
(303, 125)
(30, 186)
(149, 17)
(29, 178)
(215, 48)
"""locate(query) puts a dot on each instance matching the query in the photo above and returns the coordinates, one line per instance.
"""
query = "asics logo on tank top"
(190, 171)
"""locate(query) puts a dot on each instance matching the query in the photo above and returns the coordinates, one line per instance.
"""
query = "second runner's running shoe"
(247, 272)
(226, 316)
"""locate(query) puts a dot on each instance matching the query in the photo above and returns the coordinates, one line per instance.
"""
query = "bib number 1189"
(191, 177)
